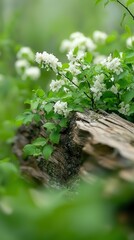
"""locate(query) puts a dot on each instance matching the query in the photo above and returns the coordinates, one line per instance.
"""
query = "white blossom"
(112, 64)
(114, 89)
(39, 58)
(124, 108)
(32, 72)
(98, 86)
(72, 58)
(61, 108)
(77, 39)
(25, 52)
(55, 85)
(130, 42)
(74, 68)
(98, 59)
(21, 65)
(65, 45)
(76, 35)
(99, 37)
(112, 79)
(48, 59)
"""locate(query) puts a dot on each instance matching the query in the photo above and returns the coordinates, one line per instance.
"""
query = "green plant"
(89, 80)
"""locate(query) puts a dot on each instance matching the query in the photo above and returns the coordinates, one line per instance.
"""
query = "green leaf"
(34, 104)
(64, 66)
(36, 117)
(129, 2)
(124, 82)
(69, 75)
(30, 149)
(128, 96)
(55, 137)
(26, 118)
(131, 110)
(63, 122)
(75, 51)
(116, 54)
(88, 57)
(47, 151)
(39, 141)
(40, 93)
(49, 126)
(48, 107)
(128, 30)
(129, 58)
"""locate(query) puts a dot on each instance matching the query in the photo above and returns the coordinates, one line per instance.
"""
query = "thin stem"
(127, 9)
(74, 84)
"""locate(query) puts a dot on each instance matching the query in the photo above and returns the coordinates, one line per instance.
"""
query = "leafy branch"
(126, 8)
(129, 2)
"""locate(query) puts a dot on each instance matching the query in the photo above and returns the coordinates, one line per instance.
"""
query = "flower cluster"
(78, 39)
(48, 60)
(98, 86)
(113, 64)
(23, 65)
(88, 80)
(61, 108)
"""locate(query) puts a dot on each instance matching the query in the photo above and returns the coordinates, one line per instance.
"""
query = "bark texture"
(95, 143)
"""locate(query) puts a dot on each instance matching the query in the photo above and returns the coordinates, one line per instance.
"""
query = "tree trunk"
(96, 143)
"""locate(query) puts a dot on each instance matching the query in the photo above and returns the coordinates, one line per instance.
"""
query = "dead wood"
(96, 143)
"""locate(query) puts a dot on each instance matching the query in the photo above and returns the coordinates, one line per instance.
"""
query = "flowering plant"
(89, 80)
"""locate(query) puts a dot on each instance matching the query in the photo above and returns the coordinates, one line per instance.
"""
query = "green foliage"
(89, 80)
(47, 151)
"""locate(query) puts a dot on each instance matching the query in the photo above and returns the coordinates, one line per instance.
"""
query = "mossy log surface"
(95, 143)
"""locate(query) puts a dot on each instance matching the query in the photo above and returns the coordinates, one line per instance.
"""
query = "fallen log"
(94, 142)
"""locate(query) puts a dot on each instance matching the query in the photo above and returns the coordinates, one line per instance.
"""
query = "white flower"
(74, 68)
(72, 58)
(100, 37)
(32, 72)
(112, 64)
(130, 42)
(124, 108)
(55, 85)
(112, 79)
(21, 65)
(25, 52)
(49, 60)
(65, 45)
(114, 89)
(98, 86)
(78, 40)
(61, 108)
(39, 58)
(98, 59)
(76, 35)
(89, 44)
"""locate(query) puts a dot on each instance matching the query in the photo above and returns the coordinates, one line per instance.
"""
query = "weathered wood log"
(97, 143)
